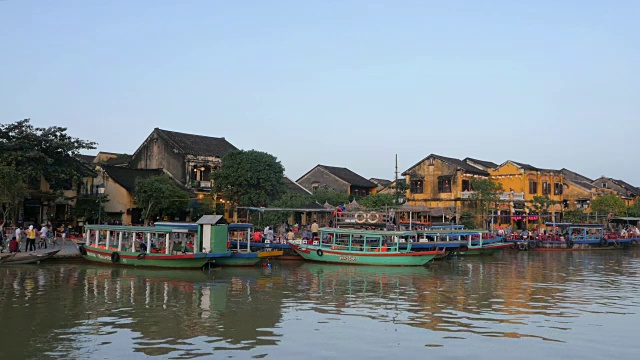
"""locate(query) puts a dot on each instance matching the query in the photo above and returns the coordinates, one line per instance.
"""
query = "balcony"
(201, 184)
(504, 196)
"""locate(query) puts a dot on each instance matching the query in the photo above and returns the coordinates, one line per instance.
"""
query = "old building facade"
(338, 179)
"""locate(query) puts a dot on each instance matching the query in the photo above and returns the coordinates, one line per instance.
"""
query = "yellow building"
(522, 182)
(439, 186)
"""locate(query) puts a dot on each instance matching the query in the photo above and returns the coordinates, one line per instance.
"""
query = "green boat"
(157, 246)
(362, 247)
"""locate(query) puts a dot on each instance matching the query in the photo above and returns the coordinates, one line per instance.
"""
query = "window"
(533, 187)
(314, 187)
(466, 185)
(545, 188)
(417, 187)
(557, 189)
(604, 185)
(444, 185)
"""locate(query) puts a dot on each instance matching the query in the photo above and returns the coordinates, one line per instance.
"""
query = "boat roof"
(366, 232)
(176, 225)
(573, 225)
(452, 227)
(240, 226)
(144, 229)
(452, 232)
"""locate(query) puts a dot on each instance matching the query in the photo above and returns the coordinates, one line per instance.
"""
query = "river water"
(514, 305)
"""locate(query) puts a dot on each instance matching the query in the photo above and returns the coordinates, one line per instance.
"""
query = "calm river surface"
(514, 305)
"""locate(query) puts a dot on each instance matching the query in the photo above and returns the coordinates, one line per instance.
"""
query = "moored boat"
(460, 242)
(156, 246)
(31, 257)
(574, 237)
(364, 247)
(244, 256)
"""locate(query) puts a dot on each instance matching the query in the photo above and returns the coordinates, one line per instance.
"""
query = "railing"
(201, 184)
(504, 196)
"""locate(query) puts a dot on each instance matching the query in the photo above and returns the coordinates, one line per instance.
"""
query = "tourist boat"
(572, 237)
(244, 256)
(460, 242)
(31, 257)
(364, 247)
(157, 246)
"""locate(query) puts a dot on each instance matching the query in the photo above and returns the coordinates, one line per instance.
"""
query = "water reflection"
(84, 311)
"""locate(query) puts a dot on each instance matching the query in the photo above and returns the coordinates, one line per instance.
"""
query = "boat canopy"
(240, 226)
(367, 232)
(175, 225)
(595, 226)
(138, 229)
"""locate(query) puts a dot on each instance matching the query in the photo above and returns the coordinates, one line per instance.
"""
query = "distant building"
(382, 183)
(338, 179)
(626, 191)
(189, 159)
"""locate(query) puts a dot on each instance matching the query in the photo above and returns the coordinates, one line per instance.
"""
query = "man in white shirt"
(43, 235)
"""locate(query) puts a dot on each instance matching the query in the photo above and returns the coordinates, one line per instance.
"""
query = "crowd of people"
(286, 232)
(29, 238)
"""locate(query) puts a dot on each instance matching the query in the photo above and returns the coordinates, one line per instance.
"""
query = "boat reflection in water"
(551, 304)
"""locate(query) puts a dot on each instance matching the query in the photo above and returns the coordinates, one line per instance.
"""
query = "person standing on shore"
(44, 230)
(31, 239)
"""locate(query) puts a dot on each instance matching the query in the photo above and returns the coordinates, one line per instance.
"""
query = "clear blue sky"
(343, 83)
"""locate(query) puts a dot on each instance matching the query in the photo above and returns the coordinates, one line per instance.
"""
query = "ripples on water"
(516, 305)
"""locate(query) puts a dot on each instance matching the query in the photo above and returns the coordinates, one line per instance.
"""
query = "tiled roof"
(487, 164)
(468, 168)
(126, 177)
(381, 182)
(633, 189)
(348, 176)
(526, 166)
(86, 158)
(572, 175)
(294, 187)
(122, 159)
(197, 144)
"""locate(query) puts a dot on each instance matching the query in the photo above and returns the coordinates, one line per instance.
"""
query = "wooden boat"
(460, 242)
(574, 237)
(112, 244)
(32, 257)
(364, 247)
(244, 256)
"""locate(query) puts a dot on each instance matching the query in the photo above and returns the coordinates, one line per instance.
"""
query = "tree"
(199, 209)
(540, 205)
(377, 201)
(158, 196)
(88, 207)
(573, 216)
(330, 196)
(12, 191)
(608, 204)
(288, 201)
(400, 188)
(634, 209)
(42, 152)
(485, 194)
(249, 178)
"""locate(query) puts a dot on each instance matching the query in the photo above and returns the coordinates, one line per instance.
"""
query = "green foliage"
(330, 196)
(377, 201)
(400, 188)
(608, 204)
(634, 209)
(486, 193)
(42, 152)
(158, 196)
(249, 178)
(288, 201)
(540, 205)
(88, 207)
(466, 219)
(199, 209)
(12, 191)
(573, 216)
